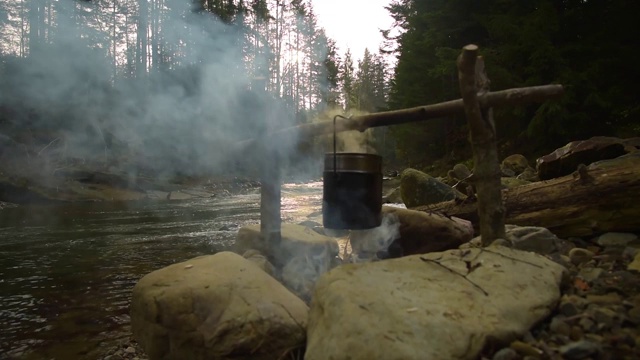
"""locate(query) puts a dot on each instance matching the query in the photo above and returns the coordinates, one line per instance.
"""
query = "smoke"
(366, 244)
(348, 141)
(168, 120)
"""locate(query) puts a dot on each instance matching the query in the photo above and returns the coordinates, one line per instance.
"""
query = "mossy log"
(601, 197)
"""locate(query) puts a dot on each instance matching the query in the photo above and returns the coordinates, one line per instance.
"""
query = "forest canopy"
(180, 80)
(590, 47)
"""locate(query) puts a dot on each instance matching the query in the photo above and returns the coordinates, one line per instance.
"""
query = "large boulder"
(565, 160)
(218, 306)
(446, 305)
(418, 188)
(516, 163)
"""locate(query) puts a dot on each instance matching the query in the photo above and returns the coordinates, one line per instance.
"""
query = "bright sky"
(354, 24)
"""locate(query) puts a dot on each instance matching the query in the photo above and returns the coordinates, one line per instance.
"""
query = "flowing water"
(66, 272)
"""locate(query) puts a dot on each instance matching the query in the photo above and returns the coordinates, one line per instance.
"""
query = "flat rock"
(447, 307)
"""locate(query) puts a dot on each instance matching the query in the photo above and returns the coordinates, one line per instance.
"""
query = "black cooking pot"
(352, 192)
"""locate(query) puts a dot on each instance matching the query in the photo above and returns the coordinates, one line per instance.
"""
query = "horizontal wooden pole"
(516, 96)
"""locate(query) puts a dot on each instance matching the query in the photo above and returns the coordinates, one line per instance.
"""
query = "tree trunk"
(602, 197)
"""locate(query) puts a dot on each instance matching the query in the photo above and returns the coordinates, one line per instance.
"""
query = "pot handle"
(335, 166)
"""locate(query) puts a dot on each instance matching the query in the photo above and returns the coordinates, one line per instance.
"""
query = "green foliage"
(588, 46)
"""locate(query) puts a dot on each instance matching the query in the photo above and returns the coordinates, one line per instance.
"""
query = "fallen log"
(601, 197)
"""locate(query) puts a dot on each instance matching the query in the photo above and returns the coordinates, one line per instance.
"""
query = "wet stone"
(606, 317)
(590, 274)
(571, 305)
(560, 326)
(576, 333)
(607, 299)
(505, 354)
(579, 350)
(525, 349)
(587, 324)
(633, 315)
(616, 239)
(580, 256)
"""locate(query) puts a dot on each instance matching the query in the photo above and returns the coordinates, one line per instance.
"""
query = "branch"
(457, 273)
(516, 96)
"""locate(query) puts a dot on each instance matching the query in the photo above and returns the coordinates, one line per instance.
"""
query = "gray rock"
(634, 314)
(532, 238)
(630, 252)
(606, 299)
(590, 274)
(516, 163)
(461, 171)
(579, 350)
(616, 239)
(505, 354)
(418, 188)
(529, 174)
(635, 264)
(527, 238)
(215, 306)
(526, 349)
(580, 256)
(606, 317)
(309, 223)
(506, 172)
(445, 304)
(558, 325)
(571, 305)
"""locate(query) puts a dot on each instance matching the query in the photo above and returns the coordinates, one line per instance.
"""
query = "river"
(66, 272)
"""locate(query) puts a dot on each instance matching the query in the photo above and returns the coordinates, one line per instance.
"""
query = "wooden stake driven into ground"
(486, 172)
(476, 102)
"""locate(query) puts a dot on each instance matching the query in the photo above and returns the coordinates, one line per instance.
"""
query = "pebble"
(571, 305)
(605, 317)
(580, 256)
(633, 315)
(579, 350)
(560, 326)
(525, 349)
(607, 299)
(505, 354)
(635, 264)
(616, 239)
(576, 333)
(590, 274)
(598, 318)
